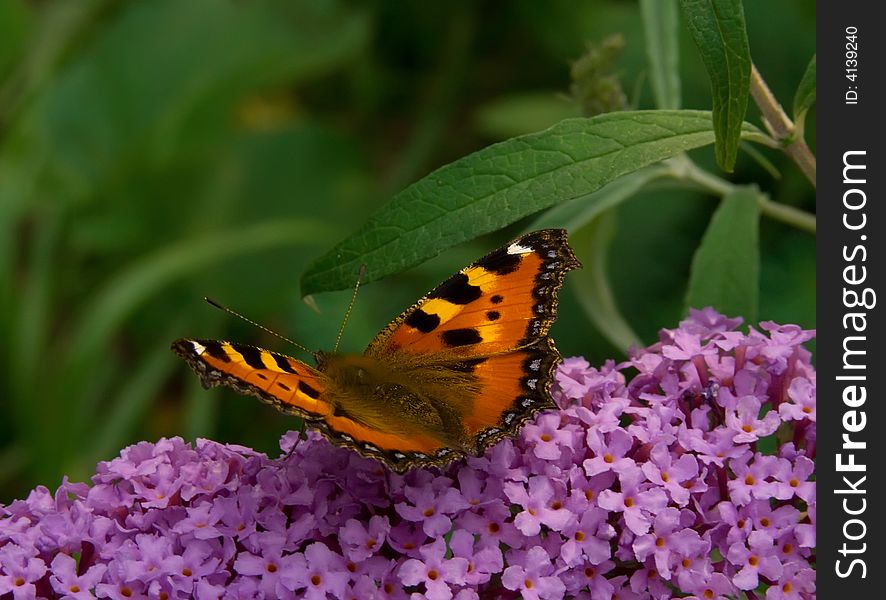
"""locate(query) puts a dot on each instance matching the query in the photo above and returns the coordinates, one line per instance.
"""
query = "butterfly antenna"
(344, 322)
(251, 322)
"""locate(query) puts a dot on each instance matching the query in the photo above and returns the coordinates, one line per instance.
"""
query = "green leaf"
(804, 98)
(718, 28)
(503, 183)
(725, 270)
(660, 24)
(591, 283)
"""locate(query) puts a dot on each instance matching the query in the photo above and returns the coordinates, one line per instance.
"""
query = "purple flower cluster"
(683, 471)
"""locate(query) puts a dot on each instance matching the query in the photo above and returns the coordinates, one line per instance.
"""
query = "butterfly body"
(462, 368)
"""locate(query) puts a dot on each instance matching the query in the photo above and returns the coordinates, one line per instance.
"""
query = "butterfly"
(462, 368)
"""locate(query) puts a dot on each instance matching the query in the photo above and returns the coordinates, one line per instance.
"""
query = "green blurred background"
(155, 152)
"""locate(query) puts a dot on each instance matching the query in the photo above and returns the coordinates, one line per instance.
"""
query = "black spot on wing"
(457, 290)
(496, 299)
(500, 262)
(423, 321)
(283, 364)
(284, 386)
(215, 350)
(250, 354)
(308, 390)
(461, 337)
(493, 315)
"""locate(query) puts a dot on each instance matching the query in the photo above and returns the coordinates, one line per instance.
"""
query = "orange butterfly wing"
(290, 385)
(293, 387)
(505, 300)
(493, 316)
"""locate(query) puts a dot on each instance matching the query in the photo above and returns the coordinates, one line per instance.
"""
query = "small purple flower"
(751, 480)
(792, 479)
(431, 509)
(540, 506)
(638, 507)
(718, 587)
(359, 541)
(533, 577)
(666, 538)
(590, 577)
(746, 425)
(587, 538)
(797, 582)
(755, 559)
(434, 571)
(671, 474)
(609, 454)
(546, 436)
(802, 405)
(267, 565)
(481, 563)
(316, 573)
(66, 581)
(19, 569)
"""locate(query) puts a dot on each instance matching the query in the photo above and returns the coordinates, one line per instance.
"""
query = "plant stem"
(781, 127)
(689, 171)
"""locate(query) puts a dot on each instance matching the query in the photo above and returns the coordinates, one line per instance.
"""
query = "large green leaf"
(718, 28)
(505, 182)
(660, 24)
(726, 267)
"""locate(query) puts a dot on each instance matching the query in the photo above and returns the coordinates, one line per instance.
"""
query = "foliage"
(155, 153)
